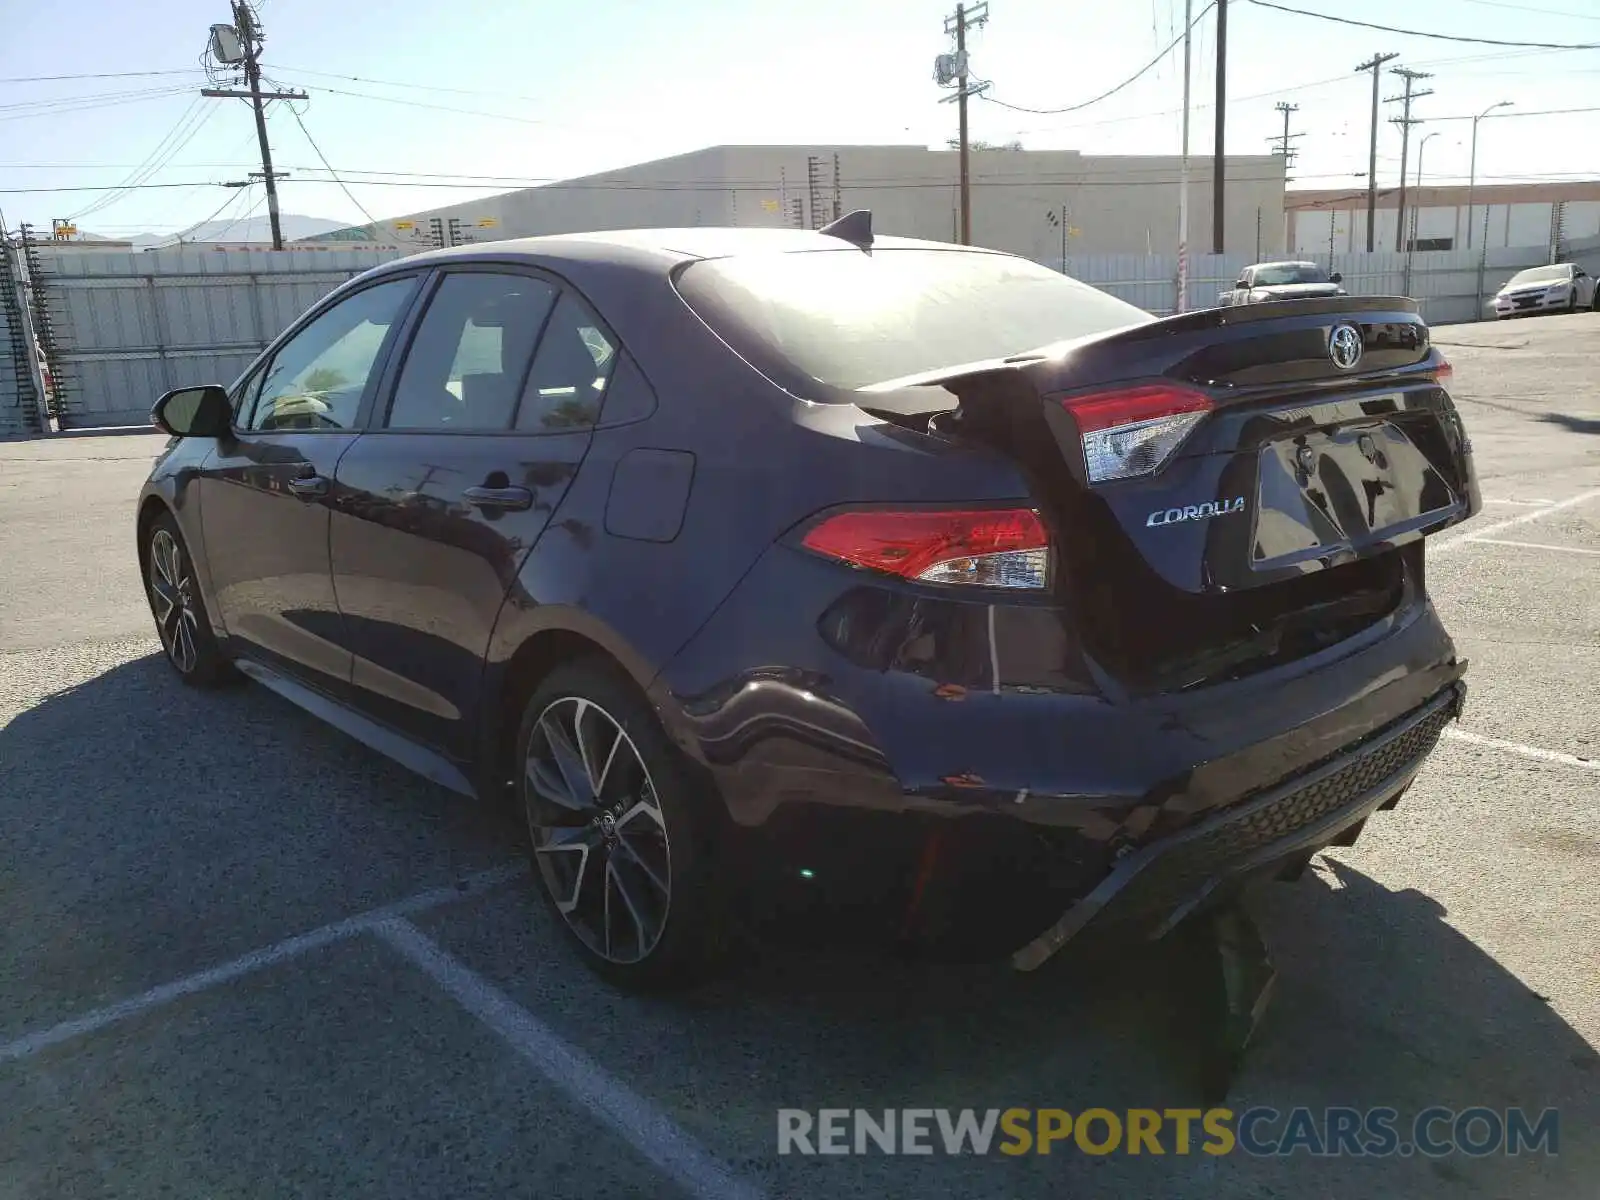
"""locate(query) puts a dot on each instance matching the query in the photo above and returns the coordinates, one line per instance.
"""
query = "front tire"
(621, 833)
(182, 623)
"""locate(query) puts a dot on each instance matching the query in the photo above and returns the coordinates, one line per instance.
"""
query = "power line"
(100, 75)
(420, 87)
(179, 136)
(1537, 112)
(232, 199)
(363, 208)
(93, 98)
(1443, 37)
(1549, 12)
(1168, 49)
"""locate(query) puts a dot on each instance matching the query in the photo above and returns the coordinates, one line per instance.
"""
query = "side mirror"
(194, 412)
(1336, 277)
(1243, 283)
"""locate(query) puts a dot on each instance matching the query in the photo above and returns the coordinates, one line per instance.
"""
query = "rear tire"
(622, 835)
(182, 622)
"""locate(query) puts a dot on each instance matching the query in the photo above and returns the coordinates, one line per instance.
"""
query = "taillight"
(1443, 371)
(1134, 431)
(997, 548)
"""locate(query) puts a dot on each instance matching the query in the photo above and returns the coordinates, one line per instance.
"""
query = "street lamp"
(1472, 170)
(1416, 208)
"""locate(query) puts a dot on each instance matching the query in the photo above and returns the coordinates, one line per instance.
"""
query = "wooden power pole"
(965, 18)
(249, 30)
(1373, 64)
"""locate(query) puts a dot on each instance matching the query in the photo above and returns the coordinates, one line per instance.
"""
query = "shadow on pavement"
(148, 829)
(1572, 424)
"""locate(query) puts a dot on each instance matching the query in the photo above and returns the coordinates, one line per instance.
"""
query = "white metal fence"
(132, 326)
(1451, 286)
(128, 327)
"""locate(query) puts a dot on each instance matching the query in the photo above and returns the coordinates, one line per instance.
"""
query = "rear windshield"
(851, 319)
(1556, 274)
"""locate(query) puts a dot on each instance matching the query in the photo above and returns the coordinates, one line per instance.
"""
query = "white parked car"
(1560, 287)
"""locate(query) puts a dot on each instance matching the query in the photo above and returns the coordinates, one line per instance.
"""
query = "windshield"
(1278, 274)
(1556, 274)
(851, 319)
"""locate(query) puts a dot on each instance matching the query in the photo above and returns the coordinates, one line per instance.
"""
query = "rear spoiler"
(1189, 322)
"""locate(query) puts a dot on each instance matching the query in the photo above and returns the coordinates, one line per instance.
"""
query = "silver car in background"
(1263, 282)
(1560, 287)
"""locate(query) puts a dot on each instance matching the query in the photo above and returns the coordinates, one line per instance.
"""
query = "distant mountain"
(256, 229)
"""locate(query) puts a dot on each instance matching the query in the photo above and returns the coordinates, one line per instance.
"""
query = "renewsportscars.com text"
(1262, 1132)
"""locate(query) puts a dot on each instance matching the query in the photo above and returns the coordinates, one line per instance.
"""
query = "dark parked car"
(914, 577)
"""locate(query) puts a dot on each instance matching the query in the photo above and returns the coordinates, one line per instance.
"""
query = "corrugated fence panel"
(1449, 285)
(135, 325)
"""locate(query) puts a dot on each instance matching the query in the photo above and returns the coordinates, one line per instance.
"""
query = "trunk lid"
(1324, 450)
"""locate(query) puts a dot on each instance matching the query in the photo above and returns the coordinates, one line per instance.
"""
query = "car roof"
(667, 247)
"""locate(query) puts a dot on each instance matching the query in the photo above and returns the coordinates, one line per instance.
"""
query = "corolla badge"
(1345, 346)
(1195, 512)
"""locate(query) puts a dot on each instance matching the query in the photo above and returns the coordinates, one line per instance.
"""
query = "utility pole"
(250, 38)
(1406, 121)
(1373, 64)
(1218, 165)
(957, 25)
(1183, 170)
(1472, 170)
(1285, 139)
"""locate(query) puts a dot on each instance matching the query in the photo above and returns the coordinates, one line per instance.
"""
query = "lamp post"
(1472, 169)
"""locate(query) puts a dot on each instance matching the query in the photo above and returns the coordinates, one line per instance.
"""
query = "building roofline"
(1445, 195)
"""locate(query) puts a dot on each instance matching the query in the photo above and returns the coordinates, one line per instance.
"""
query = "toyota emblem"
(1344, 347)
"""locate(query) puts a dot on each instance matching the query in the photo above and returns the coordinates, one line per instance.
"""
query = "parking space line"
(1538, 752)
(1533, 545)
(246, 964)
(1446, 546)
(649, 1130)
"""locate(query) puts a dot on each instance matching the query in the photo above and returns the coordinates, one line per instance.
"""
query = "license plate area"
(1332, 493)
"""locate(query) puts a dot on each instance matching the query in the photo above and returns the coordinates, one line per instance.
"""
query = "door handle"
(517, 498)
(308, 487)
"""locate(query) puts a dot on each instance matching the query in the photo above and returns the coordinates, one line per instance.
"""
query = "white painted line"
(1527, 503)
(31, 1043)
(1466, 538)
(1543, 755)
(635, 1118)
(1488, 541)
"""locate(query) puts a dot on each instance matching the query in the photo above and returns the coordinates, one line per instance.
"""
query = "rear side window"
(570, 373)
(851, 319)
(467, 359)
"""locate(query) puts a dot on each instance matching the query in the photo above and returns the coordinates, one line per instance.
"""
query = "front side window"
(570, 373)
(317, 378)
(470, 353)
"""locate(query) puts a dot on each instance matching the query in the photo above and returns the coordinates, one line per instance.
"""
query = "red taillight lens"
(1443, 371)
(985, 547)
(1133, 431)
(1104, 410)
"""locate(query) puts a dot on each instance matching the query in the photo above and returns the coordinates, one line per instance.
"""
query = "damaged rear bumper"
(1152, 889)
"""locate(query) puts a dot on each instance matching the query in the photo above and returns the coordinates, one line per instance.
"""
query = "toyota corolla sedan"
(1560, 287)
(913, 576)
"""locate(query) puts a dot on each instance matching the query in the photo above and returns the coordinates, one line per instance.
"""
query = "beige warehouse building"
(1113, 204)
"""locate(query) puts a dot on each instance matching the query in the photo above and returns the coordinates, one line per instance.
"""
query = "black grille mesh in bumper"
(1156, 886)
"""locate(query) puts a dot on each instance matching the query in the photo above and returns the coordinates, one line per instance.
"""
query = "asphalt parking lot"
(243, 956)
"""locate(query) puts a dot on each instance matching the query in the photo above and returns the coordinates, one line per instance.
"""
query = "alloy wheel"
(173, 602)
(599, 836)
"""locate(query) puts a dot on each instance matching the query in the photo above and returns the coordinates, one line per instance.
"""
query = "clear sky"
(549, 90)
